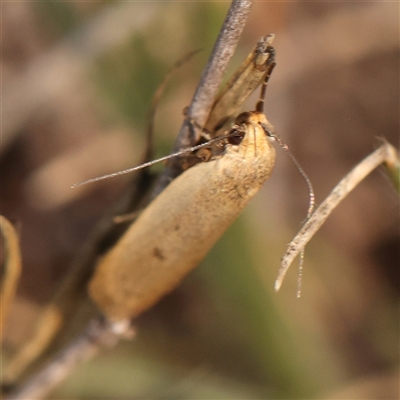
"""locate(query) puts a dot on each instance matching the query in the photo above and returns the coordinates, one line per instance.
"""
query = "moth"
(176, 230)
(54, 320)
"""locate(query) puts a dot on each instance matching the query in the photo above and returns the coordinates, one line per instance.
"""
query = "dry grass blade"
(384, 154)
(11, 268)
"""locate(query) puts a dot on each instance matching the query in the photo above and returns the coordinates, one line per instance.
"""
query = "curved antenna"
(311, 196)
(311, 203)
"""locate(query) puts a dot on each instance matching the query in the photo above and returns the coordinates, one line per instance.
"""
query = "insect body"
(176, 231)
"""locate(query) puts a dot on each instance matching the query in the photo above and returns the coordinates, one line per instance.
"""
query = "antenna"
(149, 163)
(311, 195)
(284, 146)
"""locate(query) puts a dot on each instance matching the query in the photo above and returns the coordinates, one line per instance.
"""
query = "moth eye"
(236, 138)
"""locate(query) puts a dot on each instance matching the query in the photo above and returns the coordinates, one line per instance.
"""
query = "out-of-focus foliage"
(224, 333)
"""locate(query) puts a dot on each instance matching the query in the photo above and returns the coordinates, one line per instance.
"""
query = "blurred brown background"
(77, 80)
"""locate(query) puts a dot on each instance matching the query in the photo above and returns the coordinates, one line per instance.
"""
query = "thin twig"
(210, 81)
(224, 48)
(97, 335)
(385, 153)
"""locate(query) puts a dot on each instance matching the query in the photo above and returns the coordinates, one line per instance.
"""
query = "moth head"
(249, 134)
